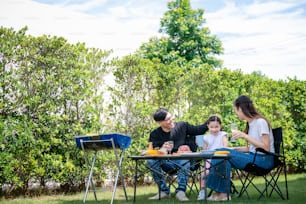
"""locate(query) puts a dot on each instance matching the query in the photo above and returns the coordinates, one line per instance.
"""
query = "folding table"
(113, 142)
(187, 156)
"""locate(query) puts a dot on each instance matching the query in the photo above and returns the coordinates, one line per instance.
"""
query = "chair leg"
(243, 183)
(193, 184)
(210, 192)
(246, 182)
(233, 188)
(270, 180)
(273, 184)
(286, 183)
(171, 180)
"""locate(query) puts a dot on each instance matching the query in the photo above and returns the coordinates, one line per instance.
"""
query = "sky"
(257, 35)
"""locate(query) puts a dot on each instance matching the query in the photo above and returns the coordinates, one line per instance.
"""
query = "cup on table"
(234, 127)
(170, 146)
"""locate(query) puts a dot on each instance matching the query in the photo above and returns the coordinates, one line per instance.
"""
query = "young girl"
(215, 139)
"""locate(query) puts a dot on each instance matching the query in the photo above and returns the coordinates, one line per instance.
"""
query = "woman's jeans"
(218, 174)
(181, 167)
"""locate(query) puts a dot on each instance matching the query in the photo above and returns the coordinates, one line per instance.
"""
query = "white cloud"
(265, 36)
(83, 6)
(101, 32)
(259, 37)
(265, 8)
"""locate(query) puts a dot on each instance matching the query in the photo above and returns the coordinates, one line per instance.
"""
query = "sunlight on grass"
(296, 183)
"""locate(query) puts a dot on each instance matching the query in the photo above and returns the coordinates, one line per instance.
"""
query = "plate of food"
(152, 152)
(188, 153)
(221, 153)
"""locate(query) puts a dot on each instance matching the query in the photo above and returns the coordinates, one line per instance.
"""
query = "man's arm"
(151, 145)
(196, 130)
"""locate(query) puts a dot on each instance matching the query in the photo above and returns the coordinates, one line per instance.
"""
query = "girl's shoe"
(201, 195)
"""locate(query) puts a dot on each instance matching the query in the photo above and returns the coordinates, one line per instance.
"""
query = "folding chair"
(270, 176)
(193, 173)
(195, 166)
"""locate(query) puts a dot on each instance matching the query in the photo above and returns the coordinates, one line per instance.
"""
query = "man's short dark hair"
(160, 114)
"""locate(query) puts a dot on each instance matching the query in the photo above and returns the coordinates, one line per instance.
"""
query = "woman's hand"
(238, 134)
(241, 149)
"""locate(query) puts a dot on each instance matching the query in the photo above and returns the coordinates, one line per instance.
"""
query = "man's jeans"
(181, 167)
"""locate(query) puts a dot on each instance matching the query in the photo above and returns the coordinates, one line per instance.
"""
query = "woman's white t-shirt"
(257, 128)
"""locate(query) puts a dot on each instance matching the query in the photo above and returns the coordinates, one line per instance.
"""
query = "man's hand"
(184, 148)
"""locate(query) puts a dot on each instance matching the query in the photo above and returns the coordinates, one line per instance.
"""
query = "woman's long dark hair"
(249, 110)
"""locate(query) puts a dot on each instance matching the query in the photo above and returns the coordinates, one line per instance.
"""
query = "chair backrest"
(191, 142)
(278, 140)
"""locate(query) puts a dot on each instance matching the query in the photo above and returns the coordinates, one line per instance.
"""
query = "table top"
(183, 156)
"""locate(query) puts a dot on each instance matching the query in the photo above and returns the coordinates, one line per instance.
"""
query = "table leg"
(204, 178)
(135, 180)
(226, 177)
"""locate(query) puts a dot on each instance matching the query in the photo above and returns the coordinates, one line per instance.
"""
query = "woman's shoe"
(211, 198)
(222, 198)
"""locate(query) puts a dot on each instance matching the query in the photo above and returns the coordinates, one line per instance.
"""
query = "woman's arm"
(262, 144)
(242, 148)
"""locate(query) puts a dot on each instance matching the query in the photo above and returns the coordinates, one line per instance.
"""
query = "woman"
(258, 133)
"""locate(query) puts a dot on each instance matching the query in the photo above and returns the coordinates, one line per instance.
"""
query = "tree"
(50, 91)
(294, 100)
(184, 37)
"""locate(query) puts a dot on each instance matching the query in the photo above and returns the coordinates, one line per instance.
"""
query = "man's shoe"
(161, 196)
(180, 195)
(201, 195)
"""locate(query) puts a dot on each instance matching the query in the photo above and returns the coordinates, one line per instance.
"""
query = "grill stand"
(92, 165)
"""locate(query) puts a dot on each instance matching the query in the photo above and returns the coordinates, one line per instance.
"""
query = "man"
(177, 132)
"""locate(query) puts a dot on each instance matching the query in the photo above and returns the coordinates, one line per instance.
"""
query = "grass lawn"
(296, 183)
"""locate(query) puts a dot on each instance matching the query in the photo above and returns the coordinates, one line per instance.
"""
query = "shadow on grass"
(297, 192)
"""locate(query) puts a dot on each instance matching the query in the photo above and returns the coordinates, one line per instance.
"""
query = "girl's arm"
(225, 141)
(204, 146)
